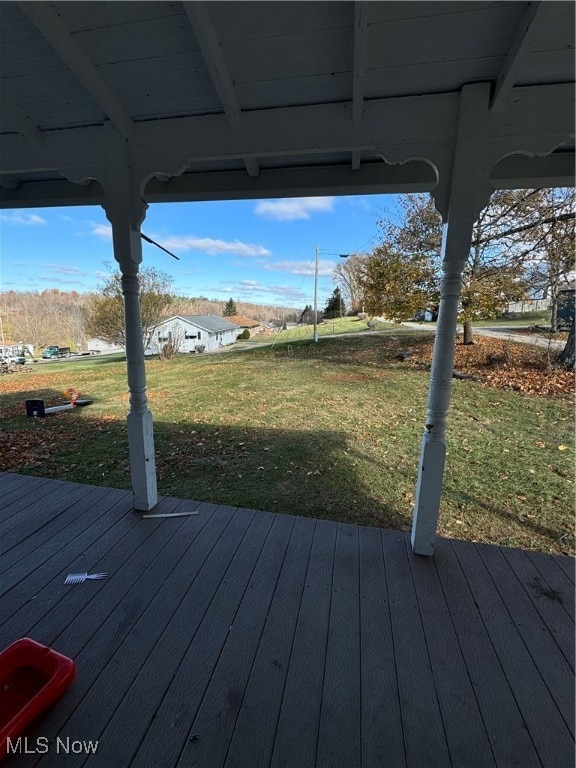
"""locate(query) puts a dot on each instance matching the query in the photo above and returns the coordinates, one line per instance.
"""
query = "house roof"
(244, 322)
(210, 323)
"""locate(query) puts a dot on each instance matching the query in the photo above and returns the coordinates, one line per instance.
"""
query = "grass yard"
(339, 325)
(328, 430)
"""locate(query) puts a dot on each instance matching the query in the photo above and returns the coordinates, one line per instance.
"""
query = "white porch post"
(128, 254)
(126, 210)
(456, 240)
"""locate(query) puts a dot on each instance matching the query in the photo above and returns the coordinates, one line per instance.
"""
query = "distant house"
(254, 326)
(192, 332)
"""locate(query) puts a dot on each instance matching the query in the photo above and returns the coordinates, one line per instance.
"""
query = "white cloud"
(289, 209)
(22, 218)
(253, 290)
(103, 231)
(325, 267)
(211, 246)
(63, 269)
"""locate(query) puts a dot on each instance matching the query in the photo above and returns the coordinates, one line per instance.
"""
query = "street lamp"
(342, 256)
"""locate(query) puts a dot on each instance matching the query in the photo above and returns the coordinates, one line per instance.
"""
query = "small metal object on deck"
(173, 514)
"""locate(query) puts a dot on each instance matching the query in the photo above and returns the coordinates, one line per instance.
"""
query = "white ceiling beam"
(372, 178)
(359, 60)
(526, 33)
(201, 23)
(521, 172)
(20, 120)
(358, 67)
(517, 172)
(49, 24)
(539, 120)
(199, 18)
(46, 194)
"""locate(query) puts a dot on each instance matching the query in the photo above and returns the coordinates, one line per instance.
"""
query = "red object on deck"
(32, 677)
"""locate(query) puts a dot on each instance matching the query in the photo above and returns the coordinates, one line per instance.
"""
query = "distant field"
(327, 430)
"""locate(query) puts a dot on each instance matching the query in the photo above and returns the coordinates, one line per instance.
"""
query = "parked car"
(13, 359)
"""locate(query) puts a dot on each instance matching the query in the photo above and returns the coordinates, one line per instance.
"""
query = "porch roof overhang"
(219, 100)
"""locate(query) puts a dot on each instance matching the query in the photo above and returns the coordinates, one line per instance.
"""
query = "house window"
(192, 336)
(162, 338)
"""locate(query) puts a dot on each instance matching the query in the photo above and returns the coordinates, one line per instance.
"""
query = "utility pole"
(316, 297)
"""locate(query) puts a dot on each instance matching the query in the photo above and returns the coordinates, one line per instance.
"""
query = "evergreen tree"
(307, 315)
(230, 308)
(335, 305)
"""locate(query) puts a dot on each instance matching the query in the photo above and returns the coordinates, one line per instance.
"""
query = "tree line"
(70, 318)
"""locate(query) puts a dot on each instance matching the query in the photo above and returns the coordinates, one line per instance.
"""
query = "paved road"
(505, 332)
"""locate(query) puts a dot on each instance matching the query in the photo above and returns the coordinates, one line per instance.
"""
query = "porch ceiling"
(253, 99)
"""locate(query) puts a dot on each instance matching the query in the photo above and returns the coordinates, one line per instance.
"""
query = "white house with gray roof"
(193, 332)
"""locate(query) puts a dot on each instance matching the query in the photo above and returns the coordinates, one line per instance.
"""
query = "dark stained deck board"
(55, 530)
(218, 711)
(38, 505)
(553, 668)
(14, 488)
(547, 728)
(136, 627)
(381, 719)
(424, 735)
(155, 716)
(546, 603)
(17, 540)
(297, 731)
(285, 641)
(505, 727)
(30, 573)
(45, 592)
(463, 724)
(339, 737)
(255, 730)
(556, 579)
(568, 565)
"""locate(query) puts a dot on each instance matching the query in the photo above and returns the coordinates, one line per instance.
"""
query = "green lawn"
(339, 325)
(328, 430)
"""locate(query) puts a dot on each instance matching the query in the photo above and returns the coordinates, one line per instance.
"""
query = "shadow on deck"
(243, 638)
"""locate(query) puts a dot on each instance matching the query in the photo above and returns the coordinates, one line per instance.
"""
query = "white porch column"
(126, 210)
(463, 209)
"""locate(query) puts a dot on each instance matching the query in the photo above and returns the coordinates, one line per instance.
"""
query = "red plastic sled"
(32, 677)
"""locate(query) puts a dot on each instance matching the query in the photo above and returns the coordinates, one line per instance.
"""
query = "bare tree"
(104, 312)
(349, 276)
(172, 347)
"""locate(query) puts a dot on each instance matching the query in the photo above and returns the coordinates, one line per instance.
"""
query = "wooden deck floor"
(242, 638)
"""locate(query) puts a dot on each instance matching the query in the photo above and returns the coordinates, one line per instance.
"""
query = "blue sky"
(256, 251)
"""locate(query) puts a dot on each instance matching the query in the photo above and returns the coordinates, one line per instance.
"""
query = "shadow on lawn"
(357, 350)
(290, 471)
